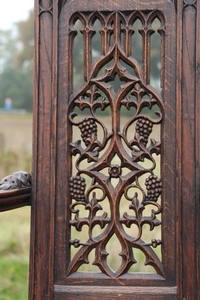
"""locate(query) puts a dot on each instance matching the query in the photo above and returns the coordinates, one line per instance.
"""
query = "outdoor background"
(16, 63)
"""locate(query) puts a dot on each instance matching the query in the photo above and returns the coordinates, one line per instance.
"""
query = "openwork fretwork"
(117, 164)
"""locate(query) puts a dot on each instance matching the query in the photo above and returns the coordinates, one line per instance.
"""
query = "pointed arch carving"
(98, 92)
(61, 3)
(93, 89)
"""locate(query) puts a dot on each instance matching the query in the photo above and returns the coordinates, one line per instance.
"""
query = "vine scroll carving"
(97, 177)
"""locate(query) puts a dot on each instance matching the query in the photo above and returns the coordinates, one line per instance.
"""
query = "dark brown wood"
(41, 280)
(197, 162)
(83, 293)
(62, 144)
(15, 198)
(88, 126)
(188, 154)
(168, 170)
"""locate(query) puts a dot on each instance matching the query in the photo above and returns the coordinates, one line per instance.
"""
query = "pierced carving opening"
(137, 48)
(116, 183)
(78, 60)
(141, 265)
(96, 40)
(114, 249)
(155, 63)
(89, 264)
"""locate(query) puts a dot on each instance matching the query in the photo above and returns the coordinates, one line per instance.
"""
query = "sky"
(13, 11)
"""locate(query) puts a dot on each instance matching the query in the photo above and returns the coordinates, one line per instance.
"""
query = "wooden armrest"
(14, 198)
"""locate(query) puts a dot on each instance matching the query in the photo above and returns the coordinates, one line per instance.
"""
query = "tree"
(16, 63)
(8, 49)
(25, 35)
(17, 85)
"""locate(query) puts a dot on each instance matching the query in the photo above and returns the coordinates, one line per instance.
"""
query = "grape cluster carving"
(88, 128)
(144, 129)
(77, 188)
(154, 187)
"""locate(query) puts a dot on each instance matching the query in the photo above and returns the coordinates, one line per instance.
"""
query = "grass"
(14, 254)
(15, 154)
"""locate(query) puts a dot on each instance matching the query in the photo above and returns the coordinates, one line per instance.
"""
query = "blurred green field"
(15, 143)
(14, 254)
(15, 154)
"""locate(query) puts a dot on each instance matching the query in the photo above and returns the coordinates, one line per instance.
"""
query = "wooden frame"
(45, 155)
(181, 151)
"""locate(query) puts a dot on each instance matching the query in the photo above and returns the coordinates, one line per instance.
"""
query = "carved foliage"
(93, 162)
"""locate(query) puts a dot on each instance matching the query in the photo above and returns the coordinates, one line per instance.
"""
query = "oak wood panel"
(14, 199)
(105, 293)
(42, 225)
(197, 162)
(140, 279)
(169, 138)
(188, 153)
(179, 252)
(51, 171)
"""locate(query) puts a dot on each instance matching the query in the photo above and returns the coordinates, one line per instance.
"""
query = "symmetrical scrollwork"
(98, 178)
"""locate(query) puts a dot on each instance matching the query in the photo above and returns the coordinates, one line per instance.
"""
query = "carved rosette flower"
(88, 130)
(77, 188)
(115, 171)
(144, 128)
(154, 188)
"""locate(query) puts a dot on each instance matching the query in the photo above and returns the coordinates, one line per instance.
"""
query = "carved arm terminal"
(15, 190)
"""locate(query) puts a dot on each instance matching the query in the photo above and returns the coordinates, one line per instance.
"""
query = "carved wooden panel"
(116, 184)
(99, 93)
(97, 179)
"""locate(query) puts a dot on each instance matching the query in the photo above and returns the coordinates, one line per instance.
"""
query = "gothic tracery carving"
(44, 9)
(98, 93)
(189, 3)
